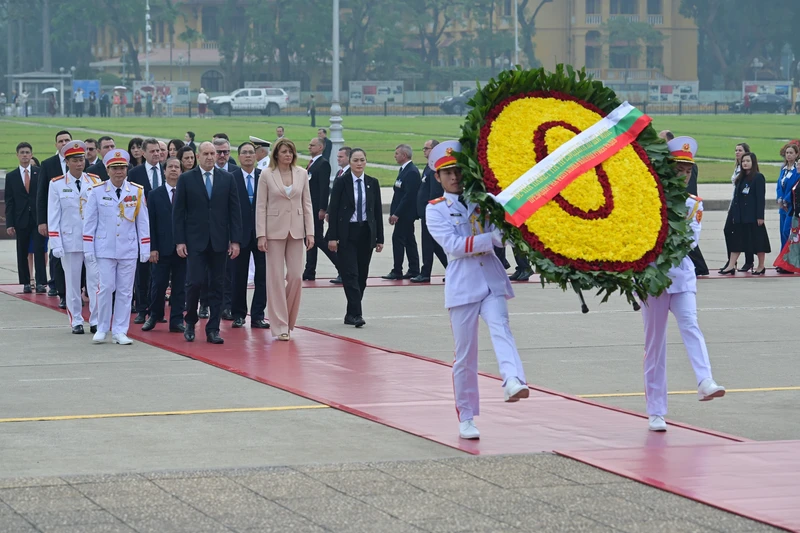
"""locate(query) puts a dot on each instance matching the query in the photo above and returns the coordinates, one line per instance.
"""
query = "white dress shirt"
(356, 185)
(149, 169)
(170, 188)
(224, 167)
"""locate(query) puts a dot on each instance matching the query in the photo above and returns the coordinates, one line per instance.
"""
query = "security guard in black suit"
(429, 189)
(403, 214)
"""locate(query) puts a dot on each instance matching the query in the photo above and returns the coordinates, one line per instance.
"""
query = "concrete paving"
(330, 469)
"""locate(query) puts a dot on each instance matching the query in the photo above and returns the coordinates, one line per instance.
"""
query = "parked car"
(266, 101)
(767, 103)
(457, 105)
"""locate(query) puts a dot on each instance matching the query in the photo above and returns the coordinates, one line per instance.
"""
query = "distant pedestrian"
(312, 111)
(202, 103)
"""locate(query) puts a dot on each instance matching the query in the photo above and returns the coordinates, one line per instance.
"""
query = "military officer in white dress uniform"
(680, 298)
(262, 152)
(116, 233)
(65, 204)
(477, 285)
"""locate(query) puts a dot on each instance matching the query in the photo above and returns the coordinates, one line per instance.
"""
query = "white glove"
(90, 259)
(497, 239)
(144, 258)
(58, 253)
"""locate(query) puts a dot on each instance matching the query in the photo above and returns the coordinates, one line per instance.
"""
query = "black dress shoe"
(77, 330)
(26, 289)
(52, 292)
(309, 277)
(360, 321)
(525, 275)
(226, 314)
(41, 289)
(93, 329)
(162, 320)
(760, 272)
(133, 308)
(180, 328)
(747, 267)
(731, 272)
(349, 320)
(214, 338)
(203, 313)
(337, 280)
(188, 332)
(238, 323)
(392, 275)
(410, 275)
(515, 275)
(149, 324)
(141, 318)
(62, 303)
(259, 324)
(421, 279)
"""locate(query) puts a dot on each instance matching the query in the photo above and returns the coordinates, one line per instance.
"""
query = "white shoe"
(515, 389)
(121, 339)
(99, 338)
(708, 390)
(657, 423)
(467, 430)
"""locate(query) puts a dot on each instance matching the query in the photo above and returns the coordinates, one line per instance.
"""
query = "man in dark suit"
(208, 227)
(319, 182)
(150, 176)
(322, 135)
(163, 256)
(91, 154)
(221, 161)
(429, 189)
(20, 198)
(355, 229)
(225, 162)
(403, 213)
(105, 145)
(246, 179)
(52, 167)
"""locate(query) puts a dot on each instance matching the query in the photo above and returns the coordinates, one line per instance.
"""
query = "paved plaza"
(142, 439)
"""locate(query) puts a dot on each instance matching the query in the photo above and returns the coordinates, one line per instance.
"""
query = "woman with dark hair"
(187, 158)
(136, 152)
(137, 105)
(740, 150)
(786, 181)
(749, 234)
(189, 139)
(173, 147)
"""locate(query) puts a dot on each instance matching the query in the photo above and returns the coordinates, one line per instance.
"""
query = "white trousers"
(116, 275)
(92, 289)
(72, 262)
(655, 312)
(464, 321)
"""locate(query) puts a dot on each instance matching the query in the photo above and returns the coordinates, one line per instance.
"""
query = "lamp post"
(337, 141)
(516, 32)
(147, 41)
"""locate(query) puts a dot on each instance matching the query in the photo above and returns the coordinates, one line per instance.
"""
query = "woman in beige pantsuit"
(285, 229)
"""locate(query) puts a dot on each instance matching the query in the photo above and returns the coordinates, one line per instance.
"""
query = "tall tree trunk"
(21, 48)
(239, 68)
(283, 58)
(47, 56)
(10, 57)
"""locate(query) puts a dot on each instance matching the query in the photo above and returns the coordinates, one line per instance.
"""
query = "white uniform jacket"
(263, 163)
(473, 269)
(694, 208)
(116, 228)
(683, 276)
(65, 205)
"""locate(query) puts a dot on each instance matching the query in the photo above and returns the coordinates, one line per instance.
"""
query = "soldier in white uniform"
(116, 232)
(680, 298)
(262, 152)
(477, 285)
(66, 200)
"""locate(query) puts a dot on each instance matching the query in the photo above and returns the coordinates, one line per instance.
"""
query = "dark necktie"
(360, 202)
(119, 191)
(172, 195)
(78, 184)
(338, 174)
(250, 192)
(462, 200)
(155, 177)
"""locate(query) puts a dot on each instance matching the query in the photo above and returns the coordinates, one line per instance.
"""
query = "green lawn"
(716, 134)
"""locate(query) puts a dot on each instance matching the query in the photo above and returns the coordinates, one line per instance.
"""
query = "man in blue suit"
(163, 256)
(403, 214)
(208, 228)
(246, 178)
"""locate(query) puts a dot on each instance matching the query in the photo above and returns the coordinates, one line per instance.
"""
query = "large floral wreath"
(619, 227)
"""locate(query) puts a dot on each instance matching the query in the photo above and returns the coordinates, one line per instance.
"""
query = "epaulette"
(436, 200)
(57, 178)
(95, 178)
(136, 185)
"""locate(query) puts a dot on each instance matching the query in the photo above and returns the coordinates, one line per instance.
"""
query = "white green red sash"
(580, 154)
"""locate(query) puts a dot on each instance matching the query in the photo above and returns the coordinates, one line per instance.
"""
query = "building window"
(210, 28)
(655, 7)
(619, 57)
(593, 7)
(211, 81)
(593, 50)
(508, 8)
(624, 7)
(655, 57)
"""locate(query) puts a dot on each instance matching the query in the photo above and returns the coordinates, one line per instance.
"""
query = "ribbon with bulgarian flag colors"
(583, 152)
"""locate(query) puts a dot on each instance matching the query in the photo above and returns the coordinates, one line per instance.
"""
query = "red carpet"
(759, 480)
(414, 394)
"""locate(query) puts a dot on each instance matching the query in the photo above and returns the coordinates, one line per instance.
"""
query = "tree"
(528, 26)
(128, 21)
(189, 36)
(429, 19)
(235, 31)
(627, 38)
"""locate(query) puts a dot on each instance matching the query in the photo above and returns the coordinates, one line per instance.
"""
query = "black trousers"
(429, 248)
(354, 257)
(521, 260)
(57, 272)
(319, 244)
(227, 288)
(79, 109)
(170, 266)
(405, 244)
(24, 237)
(141, 289)
(239, 291)
(700, 267)
(203, 267)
